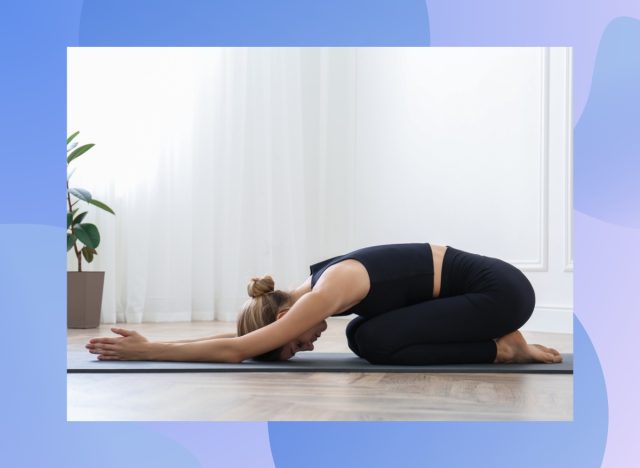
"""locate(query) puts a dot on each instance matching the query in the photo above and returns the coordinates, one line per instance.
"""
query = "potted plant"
(84, 288)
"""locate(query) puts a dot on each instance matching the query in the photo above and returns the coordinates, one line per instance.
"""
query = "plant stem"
(75, 247)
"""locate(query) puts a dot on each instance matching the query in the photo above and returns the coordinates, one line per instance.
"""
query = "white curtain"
(228, 163)
(220, 164)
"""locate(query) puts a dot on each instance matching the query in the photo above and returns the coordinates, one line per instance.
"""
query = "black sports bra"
(400, 275)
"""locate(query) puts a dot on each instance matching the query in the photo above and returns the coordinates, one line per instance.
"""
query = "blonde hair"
(261, 310)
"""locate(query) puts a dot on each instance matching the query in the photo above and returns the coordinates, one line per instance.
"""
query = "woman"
(416, 304)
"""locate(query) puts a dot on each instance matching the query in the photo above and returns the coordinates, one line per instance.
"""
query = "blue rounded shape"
(247, 23)
(492, 444)
(32, 263)
(35, 428)
(607, 136)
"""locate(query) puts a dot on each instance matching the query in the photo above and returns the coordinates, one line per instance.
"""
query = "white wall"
(342, 147)
(470, 148)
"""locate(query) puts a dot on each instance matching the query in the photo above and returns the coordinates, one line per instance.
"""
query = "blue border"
(33, 262)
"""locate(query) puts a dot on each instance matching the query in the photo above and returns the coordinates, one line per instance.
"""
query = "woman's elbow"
(236, 358)
(235, 354)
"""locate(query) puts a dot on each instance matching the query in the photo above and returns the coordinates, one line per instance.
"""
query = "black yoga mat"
(85, 362)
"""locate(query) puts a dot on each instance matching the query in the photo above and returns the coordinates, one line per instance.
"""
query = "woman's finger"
(100, 346)
(123, 332)
(103, 340)
(108, 346)
(102, 357)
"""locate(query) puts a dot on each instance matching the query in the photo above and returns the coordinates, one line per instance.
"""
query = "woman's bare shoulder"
(347, 282)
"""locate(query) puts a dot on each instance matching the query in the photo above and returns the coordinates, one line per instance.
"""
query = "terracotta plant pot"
(84, 298)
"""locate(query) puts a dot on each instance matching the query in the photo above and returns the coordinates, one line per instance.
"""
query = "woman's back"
(399, 275)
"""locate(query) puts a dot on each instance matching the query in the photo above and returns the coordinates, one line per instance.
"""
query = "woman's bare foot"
(548, 350)
(513, 348)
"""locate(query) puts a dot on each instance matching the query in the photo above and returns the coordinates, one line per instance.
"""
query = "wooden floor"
(312, 396)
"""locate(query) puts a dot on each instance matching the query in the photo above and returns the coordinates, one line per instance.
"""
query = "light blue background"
(605, 37)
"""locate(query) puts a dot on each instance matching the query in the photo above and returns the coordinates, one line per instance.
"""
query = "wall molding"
(541, 264)
(568, 179)
(551, 319)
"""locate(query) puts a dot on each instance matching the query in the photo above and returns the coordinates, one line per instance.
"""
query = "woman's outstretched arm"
(308, 311)
(132, 346)
(222, 335)
(213, 350)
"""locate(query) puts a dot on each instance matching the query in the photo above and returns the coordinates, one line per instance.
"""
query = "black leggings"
(481, 298)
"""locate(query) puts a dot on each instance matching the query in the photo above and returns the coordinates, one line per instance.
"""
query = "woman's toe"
(548, 350)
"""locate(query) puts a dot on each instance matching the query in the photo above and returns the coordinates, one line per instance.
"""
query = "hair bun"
(260, 286)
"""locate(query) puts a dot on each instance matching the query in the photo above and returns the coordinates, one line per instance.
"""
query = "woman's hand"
(131, 346)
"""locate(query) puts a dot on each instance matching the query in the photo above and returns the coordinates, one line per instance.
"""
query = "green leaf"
(87, 234)
(79, 152)
(88, 253)
(69, 220)
(81, 193)
(70, 241)
(99, 204)
(79, 218)
(72, 136)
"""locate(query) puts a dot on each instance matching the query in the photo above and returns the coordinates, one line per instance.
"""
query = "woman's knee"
(369, 342)
(527, 300)
(351, 331)
(522, 299)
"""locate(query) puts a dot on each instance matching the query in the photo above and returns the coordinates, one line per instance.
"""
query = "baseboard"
(551, 320)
